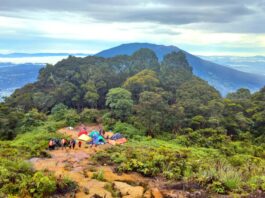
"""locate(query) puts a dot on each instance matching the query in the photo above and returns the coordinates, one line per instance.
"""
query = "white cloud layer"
(203, 27)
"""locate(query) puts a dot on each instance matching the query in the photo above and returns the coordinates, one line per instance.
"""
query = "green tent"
(94, 133)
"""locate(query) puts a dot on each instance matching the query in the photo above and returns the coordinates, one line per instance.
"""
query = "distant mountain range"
(23, 55)
(249, 64)
(223, 78)
(13, 76)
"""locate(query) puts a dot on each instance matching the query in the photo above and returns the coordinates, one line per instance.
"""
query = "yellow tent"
(85, 138)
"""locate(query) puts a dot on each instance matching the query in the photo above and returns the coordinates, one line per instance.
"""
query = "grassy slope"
(16, 174)
(211, 168)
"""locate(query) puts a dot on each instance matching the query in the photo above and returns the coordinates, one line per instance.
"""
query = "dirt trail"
(76, 165)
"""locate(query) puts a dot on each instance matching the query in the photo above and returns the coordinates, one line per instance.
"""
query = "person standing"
(101, 132)
(51, 144)
(72, 143)
(79, 144)
(63, 143)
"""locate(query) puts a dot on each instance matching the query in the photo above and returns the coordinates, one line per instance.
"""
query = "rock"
(148, 194)
(173, 194)
(128, 191)
(96, 196)
(156, 193)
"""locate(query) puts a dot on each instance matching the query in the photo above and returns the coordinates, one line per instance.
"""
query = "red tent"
(83, 131)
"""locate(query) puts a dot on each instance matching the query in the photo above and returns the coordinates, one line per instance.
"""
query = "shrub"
(71, 117)
(108, 121)
(43, 184)
(89, 115)
(127, 129)
(58, 111)
(239, 160)
(99, 175)
(32, 119)
(217, 187)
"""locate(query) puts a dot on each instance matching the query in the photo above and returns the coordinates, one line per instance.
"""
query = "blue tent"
(96, 138)
(99, 140)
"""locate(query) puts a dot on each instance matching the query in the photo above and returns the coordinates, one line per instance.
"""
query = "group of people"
(63, 143)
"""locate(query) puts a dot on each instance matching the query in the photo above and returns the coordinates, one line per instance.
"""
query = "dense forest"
(219, 141)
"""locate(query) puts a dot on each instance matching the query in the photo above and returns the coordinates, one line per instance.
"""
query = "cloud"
(160, 11)
(191, 24)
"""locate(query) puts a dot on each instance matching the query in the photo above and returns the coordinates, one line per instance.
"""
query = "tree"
(240, 94)
(120, 102)
(198, 122)
(145, 80)
(174, 71)
(143, 59)
(58, 111)
(193, 94)
(91, 97)
(151, 111)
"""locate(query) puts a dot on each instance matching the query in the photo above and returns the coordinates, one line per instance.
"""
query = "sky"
(203, 27)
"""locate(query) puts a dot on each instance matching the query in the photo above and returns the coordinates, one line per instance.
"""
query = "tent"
(85, 138)
(94, 133)
(98, 140)
(82, 132)
(108, 135)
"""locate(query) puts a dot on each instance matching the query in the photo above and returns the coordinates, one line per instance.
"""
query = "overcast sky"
(205, 27)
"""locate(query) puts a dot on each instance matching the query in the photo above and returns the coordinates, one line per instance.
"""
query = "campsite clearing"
(77, 165)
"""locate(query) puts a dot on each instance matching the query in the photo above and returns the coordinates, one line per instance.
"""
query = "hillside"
(73, 80)
(183, 137)
(224, 79)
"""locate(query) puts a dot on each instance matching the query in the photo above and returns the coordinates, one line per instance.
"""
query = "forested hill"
(84, 82)
(150, 95)
(224, 79)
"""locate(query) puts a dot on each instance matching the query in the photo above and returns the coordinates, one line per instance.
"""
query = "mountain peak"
(221, 77)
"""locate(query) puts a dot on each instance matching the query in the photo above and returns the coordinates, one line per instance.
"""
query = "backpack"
(72, 141)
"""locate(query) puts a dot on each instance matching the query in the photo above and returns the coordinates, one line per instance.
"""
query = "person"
(51, 144)
(72, 143)
(63, 142)
(101, 132)
(79, 144)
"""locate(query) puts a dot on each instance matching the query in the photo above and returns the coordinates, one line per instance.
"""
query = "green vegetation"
(211, 168)
(98, 175)
(179, 127)
(17, 177)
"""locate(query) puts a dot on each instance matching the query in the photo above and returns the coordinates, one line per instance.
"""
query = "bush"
(108, 121)
(58, 111)
(217, 187)
(43, 184)
(89, 115)
(99, 175)
(239, 160)
(32, 119)
(127, 129)
(71, 117)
